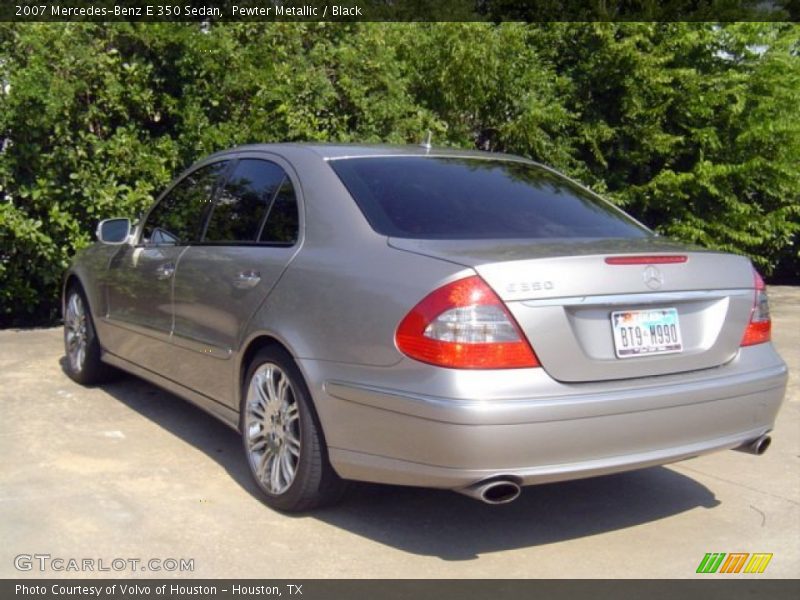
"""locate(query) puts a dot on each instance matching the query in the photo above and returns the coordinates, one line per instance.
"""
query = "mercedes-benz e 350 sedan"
(414, 316)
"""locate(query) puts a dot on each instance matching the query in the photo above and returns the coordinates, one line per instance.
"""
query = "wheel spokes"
(275, 484)
(264, 465)
(75, 332)
(272, 426)
(287, 468)
(257, 404)
(293, 444)
(280, 389)
(292, 415)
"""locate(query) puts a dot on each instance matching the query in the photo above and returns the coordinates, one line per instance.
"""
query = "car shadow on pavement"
(455, 527)
(438, 522)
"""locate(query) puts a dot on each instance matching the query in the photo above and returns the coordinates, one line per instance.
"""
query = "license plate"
(646, 332)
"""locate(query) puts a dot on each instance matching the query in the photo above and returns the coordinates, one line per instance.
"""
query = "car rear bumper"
(388, 435)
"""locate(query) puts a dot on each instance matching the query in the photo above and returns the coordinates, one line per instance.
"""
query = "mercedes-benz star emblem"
(652, 277)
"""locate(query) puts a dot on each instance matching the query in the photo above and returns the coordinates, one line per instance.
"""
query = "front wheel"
(282, 438)
(80, 341)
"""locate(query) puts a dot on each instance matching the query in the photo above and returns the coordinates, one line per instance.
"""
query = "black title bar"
(210, 11)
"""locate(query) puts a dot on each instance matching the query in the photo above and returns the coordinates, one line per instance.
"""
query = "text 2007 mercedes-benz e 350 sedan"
(424, 317)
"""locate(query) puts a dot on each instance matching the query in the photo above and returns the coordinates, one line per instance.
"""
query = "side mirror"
(114, 231)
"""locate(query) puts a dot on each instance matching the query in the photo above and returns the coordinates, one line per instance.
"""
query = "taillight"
(760, 325)
(464, 325)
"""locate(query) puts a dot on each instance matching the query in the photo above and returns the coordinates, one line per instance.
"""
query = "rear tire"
(81, 345)
(283, 441)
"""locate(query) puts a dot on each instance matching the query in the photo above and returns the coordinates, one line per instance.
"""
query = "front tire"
(81, 345)
(282, 438)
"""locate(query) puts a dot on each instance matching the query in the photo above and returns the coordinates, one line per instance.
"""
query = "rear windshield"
(463, 198)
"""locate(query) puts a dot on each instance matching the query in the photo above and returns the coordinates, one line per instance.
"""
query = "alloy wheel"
(272, 428)
(76, 332)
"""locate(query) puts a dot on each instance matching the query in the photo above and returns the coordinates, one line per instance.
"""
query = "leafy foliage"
(694, 128)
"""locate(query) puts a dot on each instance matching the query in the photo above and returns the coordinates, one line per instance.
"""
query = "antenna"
(427, 143)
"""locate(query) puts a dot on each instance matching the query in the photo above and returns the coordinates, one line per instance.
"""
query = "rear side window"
(463, 198)
(177, 219)
(243, 203)
(282, 224)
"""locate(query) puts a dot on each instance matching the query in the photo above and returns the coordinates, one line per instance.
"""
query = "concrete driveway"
(126, 471)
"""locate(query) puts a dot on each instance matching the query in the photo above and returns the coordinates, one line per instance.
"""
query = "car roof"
(340, 151)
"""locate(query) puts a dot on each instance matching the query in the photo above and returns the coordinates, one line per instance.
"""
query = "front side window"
(245, 200)
(464, 198)
(178, 218)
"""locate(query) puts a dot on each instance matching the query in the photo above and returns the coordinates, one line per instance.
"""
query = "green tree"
(96, 119)
(77, 146)
(695, 128)
(490, 88)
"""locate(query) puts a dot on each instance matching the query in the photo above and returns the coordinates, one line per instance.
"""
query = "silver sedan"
(415, 316)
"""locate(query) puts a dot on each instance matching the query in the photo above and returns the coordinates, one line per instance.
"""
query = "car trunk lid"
(572, 299)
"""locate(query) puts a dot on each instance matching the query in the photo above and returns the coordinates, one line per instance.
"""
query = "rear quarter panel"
(346, 290)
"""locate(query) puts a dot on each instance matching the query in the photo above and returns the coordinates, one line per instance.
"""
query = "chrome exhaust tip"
(757, 446)
(496, 491)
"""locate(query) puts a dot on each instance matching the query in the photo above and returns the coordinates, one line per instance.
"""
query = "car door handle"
(165, 271)
(246, 280)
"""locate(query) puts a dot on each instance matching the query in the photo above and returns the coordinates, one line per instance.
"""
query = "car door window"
(178, 218)
(244, 202)
(282, 225)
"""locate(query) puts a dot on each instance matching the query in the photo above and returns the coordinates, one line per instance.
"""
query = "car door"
(140, 277)
(251, 235)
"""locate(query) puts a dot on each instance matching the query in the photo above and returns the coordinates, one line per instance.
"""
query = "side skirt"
(216, 409)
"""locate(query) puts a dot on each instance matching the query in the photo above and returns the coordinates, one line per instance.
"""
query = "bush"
(694, 128)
